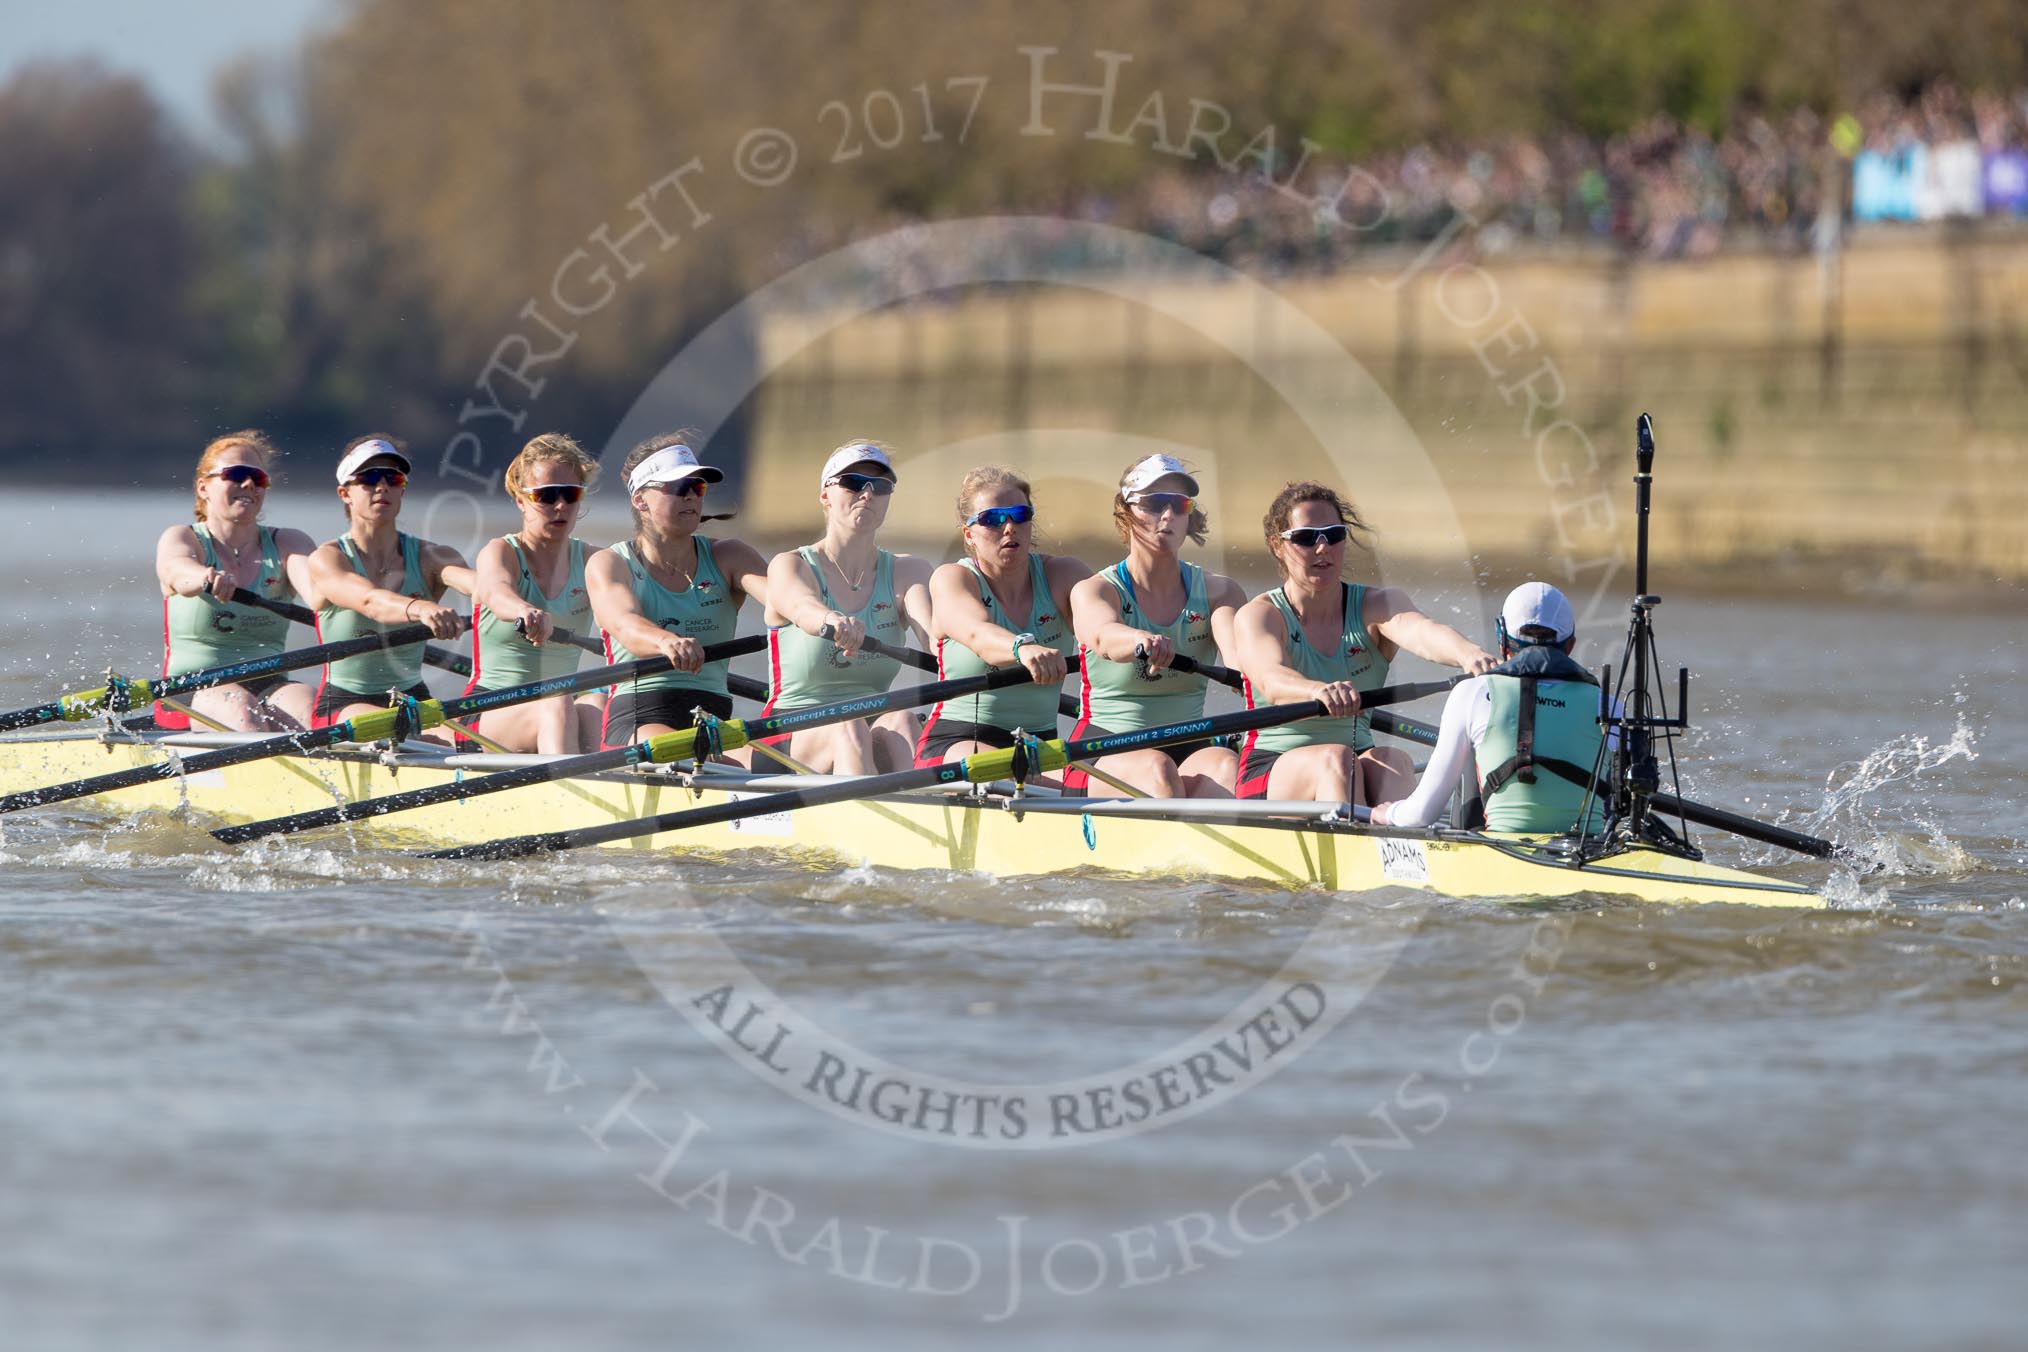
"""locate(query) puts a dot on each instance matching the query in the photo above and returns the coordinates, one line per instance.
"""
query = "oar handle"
(908, 657)
(443, 659)
(1210, 671)
(566, 637)
(300, 614)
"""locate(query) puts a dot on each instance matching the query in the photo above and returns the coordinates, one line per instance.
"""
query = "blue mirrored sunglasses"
(993, 518)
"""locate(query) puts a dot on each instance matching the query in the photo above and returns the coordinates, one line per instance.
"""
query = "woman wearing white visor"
(376, 577)
(670, 592)
(848, 582)
(1531, 723)
(1133, 618)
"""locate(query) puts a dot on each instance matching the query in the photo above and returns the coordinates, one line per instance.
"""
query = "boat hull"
(954, 832)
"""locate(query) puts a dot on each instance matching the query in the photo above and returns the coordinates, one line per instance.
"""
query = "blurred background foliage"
(386, 199)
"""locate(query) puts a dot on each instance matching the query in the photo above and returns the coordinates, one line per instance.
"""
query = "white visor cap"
(1539, 605)
(1147, 472)
(858, 453)
(376, 449)
(670, 465)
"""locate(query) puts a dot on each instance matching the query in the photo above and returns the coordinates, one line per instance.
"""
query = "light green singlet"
(505, 657)
(1029, 707)
(1115, 697)
(801, 670)
(390, 668)
(705, 611)
(202, 631)
(1357, 660)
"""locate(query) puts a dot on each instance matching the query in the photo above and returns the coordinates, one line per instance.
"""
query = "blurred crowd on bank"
(1661, 190)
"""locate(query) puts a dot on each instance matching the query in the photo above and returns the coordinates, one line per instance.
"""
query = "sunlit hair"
(396, 442)
(1123, 518)
(550, 448)
(1283, 508)
(682, 436)
(987, 479)
(247, 439)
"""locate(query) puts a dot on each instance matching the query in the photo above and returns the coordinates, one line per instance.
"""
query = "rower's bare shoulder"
(911, 570)
(435, 555)
(1381, 604)
(1261, 615)
(1064, 571)
(1094, 591)
(790, 566)
(736, 557)
(605, 565)
(180, 538)
(289, 540)
(1223, 591)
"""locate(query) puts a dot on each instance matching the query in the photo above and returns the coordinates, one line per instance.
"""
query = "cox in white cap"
(671, 464)
(1145, 473)
(852, 454)
(374, 448)
(1537, 605)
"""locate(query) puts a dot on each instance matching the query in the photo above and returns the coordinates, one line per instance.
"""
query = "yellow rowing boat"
(985, 829)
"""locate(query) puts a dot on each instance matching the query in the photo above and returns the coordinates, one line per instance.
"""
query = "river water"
(310, 1097)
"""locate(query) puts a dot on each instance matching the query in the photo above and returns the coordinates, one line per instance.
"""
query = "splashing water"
(1853, 800)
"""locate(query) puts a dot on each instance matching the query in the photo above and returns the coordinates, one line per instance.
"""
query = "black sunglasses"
(1307, 537)
(860, 483)
(241, 474)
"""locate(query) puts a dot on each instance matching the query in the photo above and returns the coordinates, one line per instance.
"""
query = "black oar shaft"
(443, 659)
(84, 703)
(1767, 833)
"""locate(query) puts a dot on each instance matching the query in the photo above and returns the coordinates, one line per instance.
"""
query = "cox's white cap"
(670, 465)
(1145, 472)
(375, 449)
(855, 453)
(1541, 605)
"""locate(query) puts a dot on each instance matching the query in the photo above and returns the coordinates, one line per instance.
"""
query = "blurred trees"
(97, 255)
(387, 200)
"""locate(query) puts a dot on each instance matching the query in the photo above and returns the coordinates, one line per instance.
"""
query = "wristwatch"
(1020, 639)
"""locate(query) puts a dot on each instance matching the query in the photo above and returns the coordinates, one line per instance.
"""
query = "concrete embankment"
(1860, 419)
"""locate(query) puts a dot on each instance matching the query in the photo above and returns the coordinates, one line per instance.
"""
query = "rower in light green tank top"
(704, 610)
(1116, 697)
(506, 658)
(204, 631)
(390, 668)
(804, 670)
(1031, 708)
(1357, 661)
